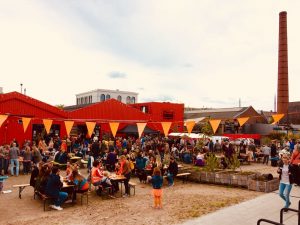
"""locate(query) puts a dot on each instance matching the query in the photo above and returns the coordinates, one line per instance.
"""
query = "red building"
(17, 105)
(163, 112)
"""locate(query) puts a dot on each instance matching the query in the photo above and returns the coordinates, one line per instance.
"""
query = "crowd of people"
(149, 158)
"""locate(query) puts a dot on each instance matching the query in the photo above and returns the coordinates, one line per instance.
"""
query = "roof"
(41, 106)
(221, 113)
(111, 109)
(224, 114)
(107, 90)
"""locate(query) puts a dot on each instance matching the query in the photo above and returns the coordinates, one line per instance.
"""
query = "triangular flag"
(25, 122)
(277, 117)
(141, 127)
(214, 124)
(242, 120)
(190, 125)
(90, 127)
(2, 119)
(69, 125)
(114, 128)
(166, 127)
(47, 124)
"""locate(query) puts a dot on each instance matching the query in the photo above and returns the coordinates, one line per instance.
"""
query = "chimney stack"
(283, 78)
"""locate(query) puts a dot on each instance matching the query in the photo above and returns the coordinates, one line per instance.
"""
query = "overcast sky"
(198, 52)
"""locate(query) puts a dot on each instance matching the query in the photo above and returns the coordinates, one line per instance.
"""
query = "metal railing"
(289, 209)
(268, 221)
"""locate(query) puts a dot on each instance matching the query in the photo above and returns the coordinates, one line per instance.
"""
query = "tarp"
(191, 135)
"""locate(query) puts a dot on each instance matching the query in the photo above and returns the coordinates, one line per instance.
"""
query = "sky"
(203, 53)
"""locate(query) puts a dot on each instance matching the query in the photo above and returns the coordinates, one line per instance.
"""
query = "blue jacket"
(53, 186)
(157, 181)
(140, 163)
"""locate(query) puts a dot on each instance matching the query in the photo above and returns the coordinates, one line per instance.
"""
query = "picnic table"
(120, 179)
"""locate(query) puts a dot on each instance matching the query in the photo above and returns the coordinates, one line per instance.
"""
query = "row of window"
(103, 97)
(119, 98)
(84, 100)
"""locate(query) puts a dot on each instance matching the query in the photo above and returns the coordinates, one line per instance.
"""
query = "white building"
(100, 95)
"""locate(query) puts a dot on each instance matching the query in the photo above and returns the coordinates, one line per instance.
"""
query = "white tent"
(191, 135)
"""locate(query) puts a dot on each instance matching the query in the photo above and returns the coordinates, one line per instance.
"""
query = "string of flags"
(214, 123)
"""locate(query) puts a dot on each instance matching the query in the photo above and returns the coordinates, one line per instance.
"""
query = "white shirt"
(285, 175)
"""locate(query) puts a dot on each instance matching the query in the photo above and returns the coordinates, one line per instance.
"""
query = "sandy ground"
(181, 202)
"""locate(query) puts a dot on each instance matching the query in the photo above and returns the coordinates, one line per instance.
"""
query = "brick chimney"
(283, 77)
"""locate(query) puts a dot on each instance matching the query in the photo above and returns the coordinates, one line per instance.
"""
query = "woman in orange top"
(96, 173)
(295, 162)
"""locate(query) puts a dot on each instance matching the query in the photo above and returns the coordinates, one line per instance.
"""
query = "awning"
(133, 129)
(197, 120)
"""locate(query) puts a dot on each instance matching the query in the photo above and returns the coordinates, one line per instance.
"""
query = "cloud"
(161, 98)
(117, 75)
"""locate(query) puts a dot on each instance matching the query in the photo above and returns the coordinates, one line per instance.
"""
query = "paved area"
(247, 213)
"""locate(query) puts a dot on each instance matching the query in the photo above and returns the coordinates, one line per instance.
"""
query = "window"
(128, 100)
(133, 100)
(107, 96)
(168, 115)
(86, 100)
(90, 99)
(77, 101)
(144, 109)
(120, 98)
(81, 100)
(102, 98)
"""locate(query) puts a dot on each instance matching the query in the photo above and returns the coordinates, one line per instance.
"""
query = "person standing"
(266, 150)
(286, 180)
(157, 182)
(172, 171)
(126, 171)
(14, 153)
(295, 162)
(27, 156)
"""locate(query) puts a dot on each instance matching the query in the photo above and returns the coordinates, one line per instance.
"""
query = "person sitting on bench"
(53, 189)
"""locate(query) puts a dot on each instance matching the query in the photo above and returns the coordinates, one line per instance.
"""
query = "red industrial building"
(17, 105)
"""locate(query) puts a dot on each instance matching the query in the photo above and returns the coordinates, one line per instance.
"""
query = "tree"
(60, 106)
(206, 129)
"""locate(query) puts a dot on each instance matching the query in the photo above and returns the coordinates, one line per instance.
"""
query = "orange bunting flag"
(2, 119)
(214, 124)
(69, 125)
(90, 127)
(277, 117)
(242, 120)
(166, 127)
(141, 127)
(190, 125)
(114, 128)
(47, 124)
(25, 122)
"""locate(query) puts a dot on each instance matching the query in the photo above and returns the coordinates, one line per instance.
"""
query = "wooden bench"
(21, 188)
(184, 175)
(44, 197)
(132, 186)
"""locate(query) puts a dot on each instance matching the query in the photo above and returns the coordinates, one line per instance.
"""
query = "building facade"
(101, 95)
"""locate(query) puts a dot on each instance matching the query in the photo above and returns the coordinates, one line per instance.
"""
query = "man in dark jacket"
(53, 189)
(172, 171)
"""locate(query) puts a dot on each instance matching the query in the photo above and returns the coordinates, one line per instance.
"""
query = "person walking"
(286, 180)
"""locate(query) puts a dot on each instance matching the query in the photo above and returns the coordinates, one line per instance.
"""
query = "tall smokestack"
(283, 77)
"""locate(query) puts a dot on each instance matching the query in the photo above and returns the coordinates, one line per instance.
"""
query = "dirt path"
(181, 202)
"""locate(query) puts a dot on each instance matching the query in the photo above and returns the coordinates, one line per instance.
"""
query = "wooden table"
(120, 179)
(75, 159)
